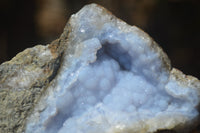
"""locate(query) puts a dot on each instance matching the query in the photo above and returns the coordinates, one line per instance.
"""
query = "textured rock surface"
(22, 81)
(112, 78)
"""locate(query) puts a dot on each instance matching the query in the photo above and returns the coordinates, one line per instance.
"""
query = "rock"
(22, 82)
(100, 76)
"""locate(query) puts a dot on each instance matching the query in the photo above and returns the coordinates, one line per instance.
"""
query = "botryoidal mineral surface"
(101, 76)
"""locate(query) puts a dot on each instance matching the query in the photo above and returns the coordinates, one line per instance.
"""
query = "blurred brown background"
(174, 24)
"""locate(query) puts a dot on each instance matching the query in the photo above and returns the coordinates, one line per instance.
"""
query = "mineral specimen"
(113, 78)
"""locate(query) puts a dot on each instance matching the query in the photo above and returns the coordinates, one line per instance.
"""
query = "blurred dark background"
(174, 24)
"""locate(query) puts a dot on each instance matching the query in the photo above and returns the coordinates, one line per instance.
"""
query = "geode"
(112, 78)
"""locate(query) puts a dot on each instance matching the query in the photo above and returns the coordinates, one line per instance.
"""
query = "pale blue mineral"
(114, 79)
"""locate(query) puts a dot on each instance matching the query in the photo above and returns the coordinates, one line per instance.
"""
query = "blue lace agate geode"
(114, 79)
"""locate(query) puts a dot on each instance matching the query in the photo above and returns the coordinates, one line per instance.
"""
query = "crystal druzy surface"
(114, 79)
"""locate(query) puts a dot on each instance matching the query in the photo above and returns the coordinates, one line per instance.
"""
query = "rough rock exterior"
(101, 75)
(22, 82)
